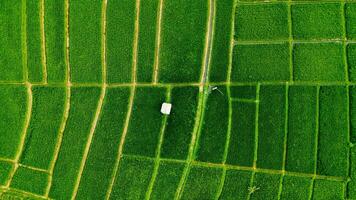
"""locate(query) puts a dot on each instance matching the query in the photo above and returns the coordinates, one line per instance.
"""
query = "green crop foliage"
(145, 124)
(325, 189)
(133, 179)
(13, 109)
(167, 180)
(181, 55)
(271, 126)
(317, 21)
(47, 112)
(30, 180)
(85, 45)
(319, 62)
(301, 128)
(263, 97)
(242, 138)
(120, 40)
(236, 185)
(297, 188)
(260, 62)
(261, 22)
(202, 181)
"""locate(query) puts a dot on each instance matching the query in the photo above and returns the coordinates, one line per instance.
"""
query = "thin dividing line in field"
(290, 40)
(67, 104)
(293, 41)
(22, 165)
(285, 141)
(316, 142)
(24, 133)
(158, 150)
(114, 85)
(158, 42)
(228, 78)
(200, 108)
(227, 144)
(20, 192)
(100, 102)
(256, 2)
(24, 39)
(43, 42)
(130, 105)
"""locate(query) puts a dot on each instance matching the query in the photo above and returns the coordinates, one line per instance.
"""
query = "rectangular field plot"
(167, 180)
(317, 21)
(202, 183)
(220, 55)
(319, 62)
(271, 126)
(147, 39)
(46, 118)
(350, 17)
(81, 114)
(5, 169)
(236, 185)
(296, 188)
(242, 138)
(261, 22)
(34, 41)
(133, 178)
(351, 60)
(260, 62)
(243, 92)
(13, 101)
(268, 185)
(352, 108)
(351, 189)
(181, 55)
(327, 189)
(213, 133)
(105, 144)
(120, 40)
(333, 132)
(302, 132)
(145, 122)
(11, 35)
(55, 40)
(30, 180)
(180, 123)
(85, 41)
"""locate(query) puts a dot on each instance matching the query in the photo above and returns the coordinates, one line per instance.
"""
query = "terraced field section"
(263, 96)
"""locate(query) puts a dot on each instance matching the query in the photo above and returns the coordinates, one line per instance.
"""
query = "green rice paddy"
(263, 96)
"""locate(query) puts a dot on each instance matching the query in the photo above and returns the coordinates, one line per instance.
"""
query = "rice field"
(263, 98)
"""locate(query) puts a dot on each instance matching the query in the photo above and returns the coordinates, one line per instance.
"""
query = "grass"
(262, 92)
(242, 139)
(301, 128)
(85, 44)
(236, 185)
(317, 21)
(261, 22)
(167, 180)
(202, 182)
(48, 105)
(11, 68)
(319, 62)
(120, 40)
(333, 126)
(271, 126)
(55, 40)
(180, 123)
(181, 55)
(103, 150)
(260, 62)
(13, 101)
(145, 124)
(296, 188)
(212, 141)
(83, 104)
